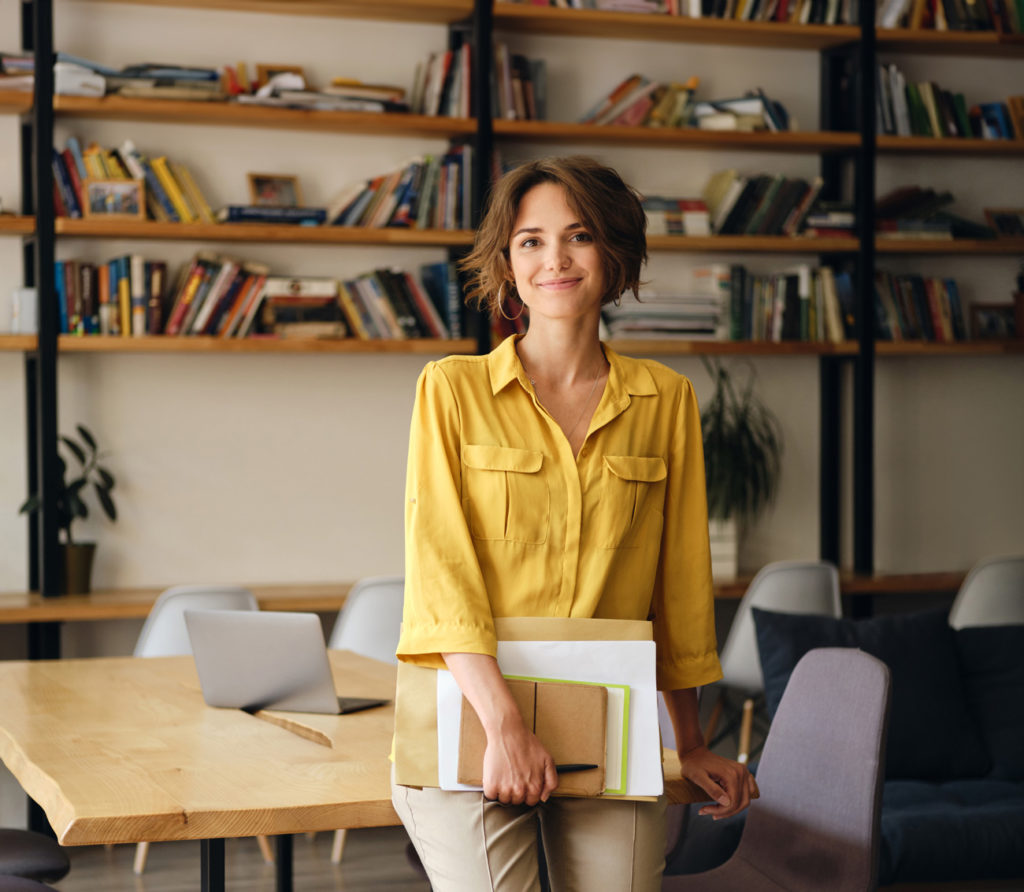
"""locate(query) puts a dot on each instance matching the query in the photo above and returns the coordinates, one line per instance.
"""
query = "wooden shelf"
(676, 137)
(436, 11)
(15, 102)
(889, 245)
(233, 114)
(206, 344)
(926, 145)
(17, 225)
(751, 244)
(135, 603)
(1000, 347)
(681, 347)
(949, 43)
(262, 232)
(17, 342)
(634, 26)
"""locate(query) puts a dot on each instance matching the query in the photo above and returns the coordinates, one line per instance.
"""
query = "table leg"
(212, 866)
(44, 641)
(283, 863)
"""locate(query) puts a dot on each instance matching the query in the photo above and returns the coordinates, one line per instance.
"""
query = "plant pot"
(724, 549)
(76, 571)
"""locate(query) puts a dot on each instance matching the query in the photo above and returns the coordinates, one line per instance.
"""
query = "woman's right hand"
(517, 768)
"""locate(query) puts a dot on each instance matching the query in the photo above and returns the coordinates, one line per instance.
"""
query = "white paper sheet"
(628, 663)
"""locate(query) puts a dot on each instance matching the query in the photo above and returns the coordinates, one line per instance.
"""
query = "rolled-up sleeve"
(683, 602)
(446, 604)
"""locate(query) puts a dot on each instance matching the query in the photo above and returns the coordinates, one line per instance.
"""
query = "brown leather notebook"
(569, 719)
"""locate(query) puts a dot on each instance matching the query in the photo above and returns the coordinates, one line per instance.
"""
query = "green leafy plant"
(742, 447)
(70, 496)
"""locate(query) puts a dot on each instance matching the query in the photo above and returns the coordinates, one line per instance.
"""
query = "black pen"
(569, 767)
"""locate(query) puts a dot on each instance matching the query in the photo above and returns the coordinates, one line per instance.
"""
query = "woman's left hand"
(728, 782)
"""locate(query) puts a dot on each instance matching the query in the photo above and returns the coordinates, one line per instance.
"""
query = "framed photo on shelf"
(274, 190)
(1006, 221)
(114, 199)
(265, 72)
(989, 321)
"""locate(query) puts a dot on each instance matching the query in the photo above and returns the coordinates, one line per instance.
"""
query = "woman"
(555, 478)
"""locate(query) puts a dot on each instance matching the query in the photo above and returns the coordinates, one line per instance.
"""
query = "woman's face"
(555, 263)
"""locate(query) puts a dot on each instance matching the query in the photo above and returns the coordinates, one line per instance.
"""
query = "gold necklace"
(586, 402)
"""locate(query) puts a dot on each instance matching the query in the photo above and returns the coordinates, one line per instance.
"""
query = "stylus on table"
(569, 767)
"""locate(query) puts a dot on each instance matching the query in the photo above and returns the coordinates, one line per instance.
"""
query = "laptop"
(255, 659)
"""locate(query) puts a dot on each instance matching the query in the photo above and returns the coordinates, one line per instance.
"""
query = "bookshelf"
(526, 23)
(15, 102)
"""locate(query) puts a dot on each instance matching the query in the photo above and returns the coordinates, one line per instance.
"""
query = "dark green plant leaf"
(106, 477)
(75, 448)
(83, 432)
(76, 507)
(105, 501)
(30, 505)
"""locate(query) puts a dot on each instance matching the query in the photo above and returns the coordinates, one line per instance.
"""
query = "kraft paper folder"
(416, 724)
(569, 719)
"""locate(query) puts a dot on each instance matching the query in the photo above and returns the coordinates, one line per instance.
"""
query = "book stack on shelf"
(926, 109)
(918, 212)
(676, 216)
(170, 192)
(800, 304)
(222, 296)
(75, 76)
(519, 86)
(1004, 16)
(759, 204)
(442, 84)
(821, 12)
(638, 101)
(698, 311)
(17, 71)
(831, 219)
(430, 192)
(912, 307)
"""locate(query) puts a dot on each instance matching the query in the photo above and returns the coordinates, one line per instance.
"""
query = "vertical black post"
(212, 865)
(283, 862)
(482, 64)
(864, 367)
(828, 469)
(46, 365)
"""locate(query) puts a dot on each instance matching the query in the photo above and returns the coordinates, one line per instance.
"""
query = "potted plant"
(71, 505)
(742, 451)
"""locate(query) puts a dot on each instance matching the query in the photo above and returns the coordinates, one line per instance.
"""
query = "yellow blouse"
(502, 520)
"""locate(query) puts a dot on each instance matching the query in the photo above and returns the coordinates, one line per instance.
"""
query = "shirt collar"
(626, 377)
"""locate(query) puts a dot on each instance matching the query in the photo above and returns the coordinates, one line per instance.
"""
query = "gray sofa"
(953, 799)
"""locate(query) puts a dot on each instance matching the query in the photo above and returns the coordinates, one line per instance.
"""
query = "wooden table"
(123, 750)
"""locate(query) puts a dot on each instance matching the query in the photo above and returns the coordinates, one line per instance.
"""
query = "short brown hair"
(607, 207)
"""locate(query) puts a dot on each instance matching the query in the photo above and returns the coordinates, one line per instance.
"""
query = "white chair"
(164, 635)
(787, 587)
(368, 624)
(992, 594)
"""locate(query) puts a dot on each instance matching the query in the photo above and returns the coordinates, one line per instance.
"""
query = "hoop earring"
(501, 305)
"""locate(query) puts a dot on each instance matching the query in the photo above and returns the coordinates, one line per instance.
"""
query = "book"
(238, 213)
(163, 173)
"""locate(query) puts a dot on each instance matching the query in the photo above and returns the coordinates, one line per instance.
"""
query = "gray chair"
(784, 586)
(369, 624)
(816, 825)
(30, 856)
(164, 635)
(992, 594)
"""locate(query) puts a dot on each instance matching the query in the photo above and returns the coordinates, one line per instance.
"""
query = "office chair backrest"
(370, 621)
(786, 587)
(164, 633)
(816, 825)
(991, 595)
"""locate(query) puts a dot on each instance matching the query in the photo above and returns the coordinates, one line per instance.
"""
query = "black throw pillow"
(992, 663)
(932, 734)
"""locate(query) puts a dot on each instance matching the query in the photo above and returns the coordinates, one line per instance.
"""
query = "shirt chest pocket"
(632, 489)
(504, 495)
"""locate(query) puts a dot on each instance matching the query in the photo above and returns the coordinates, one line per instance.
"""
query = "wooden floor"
(374, 860)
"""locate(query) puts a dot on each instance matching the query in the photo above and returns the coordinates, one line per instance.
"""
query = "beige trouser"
(591, 845)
